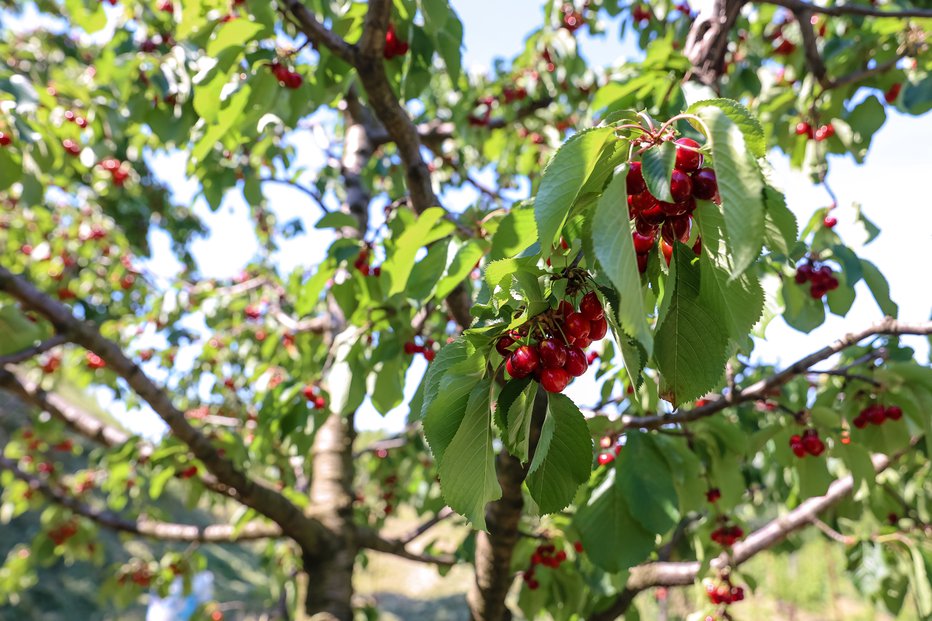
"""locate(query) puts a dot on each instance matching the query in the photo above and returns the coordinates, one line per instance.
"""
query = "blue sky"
(890, 186)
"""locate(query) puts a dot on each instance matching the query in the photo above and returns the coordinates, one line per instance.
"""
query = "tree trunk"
(707, 41)
(495, 549)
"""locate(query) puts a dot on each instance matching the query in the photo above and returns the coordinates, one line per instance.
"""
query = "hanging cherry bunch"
(545, 554)
(808, 444)
(285, 76)
(394, 45)
(427, 349)
(819, 275)
(723, 593)
(726, 535)
(688, 182)
(877, 414)
(551, 347)
(313, 395)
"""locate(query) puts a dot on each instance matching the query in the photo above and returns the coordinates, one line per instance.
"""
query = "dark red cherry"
(697, 247)
(635, 180)
(687, 159)
(672, 209)
(590, 306)
(642, 202)
(554, 379)
(598, 328)
(894, 412)
(576, 325)
(552, 353)
(654, 215)
(676, 229)
(642, 263)
(523, 362)
(645, 228)
(643, 243)
(576, 363)
(681, 186)
(503, 345)
(705, 185)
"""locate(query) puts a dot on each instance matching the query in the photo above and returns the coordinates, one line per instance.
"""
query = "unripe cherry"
(590, 306)
(687, 159)
(554, 379)
(552, 353)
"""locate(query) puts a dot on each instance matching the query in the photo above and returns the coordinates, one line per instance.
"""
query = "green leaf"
(645, 481)
(462, 265)
(226, 48)
(615, 251)
(879, 287)
(858, 460)
(612, 538)
(87, 14)
(467, 468)
(740, 185)
(397, 267)
(691, 343)
(337, 220)
(564, 176)
(922, 586)
(750, 127)
(781, 230)
(386, 389)
(563, 457)
(450, 379)
(800, 310)
(158, 481)
(657, 169)
(516, 233)
(814, 477)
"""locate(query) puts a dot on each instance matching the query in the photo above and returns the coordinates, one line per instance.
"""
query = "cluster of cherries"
(78, 120)
(572, 19)
(688, 182)
(63, 532)
(427, 349)
(824, 132)
(545, 554)
(876, 414)
(285, 76)
(362, 264)
(71, 147)
(138, 574)
(313, 396)
(118, 172)
(93, 361)
(807, 444)
(820, 276)
(167, 6)
(558, 357)
(606, 456)
(641, 14)
(394, 45)
(724, 593)
(727, 535)
(389, 485)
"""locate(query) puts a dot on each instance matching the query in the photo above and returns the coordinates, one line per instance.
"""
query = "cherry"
(893, 92)
(565, 308)
(784, 48)
(412, 348)
(641, 14)
(688, 206)
(590, 306)
(796, 445)
(804, 129)
(713, 494)
(812, 443)
(576, 325)
(167, 6)
(666, 249)
(523, 362)
(597, 329)
(293, 80)
(5, 139)
(583, 343)
(94, 361)
(552, 354)
(635, 179)
(894, 412)
(71, 146)
(705, 186)
(824, 132)
(681, 186)
(308, 392)
(875, 414)
(641, 202)
(829, 222)
(502, 346)
(554, 380)
(653, 216)
(677, 228)
(394, 46)
(671, 210)
(697, 247)
(642, 262)
(429, 355)
(643, 243)
(687, 159)
(605, 458)
(576, 363)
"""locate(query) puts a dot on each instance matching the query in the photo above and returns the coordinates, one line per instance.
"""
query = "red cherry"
(811, 442)
(893, 92)
(590, 307)
(784, 48)
(860, 421)
(523, 362)
(605, 458)
(875, 414)
(677, 229)
(293, 80)
(582, 343)
(319, 402)
(804, 129)
(687, 159)
(554, 380)
(576, 325)
(829, 222)
(643, 243)
(894, 412)
(635, 179)
(429, 355)
(552, 354)
(705, 186)
(671, 210)
(667, 250)
(825, 132)
(565, 309)
(598, 328)
(5, 139)
(642, 263)
(652, 216)
(713, 494)
(681, 186)
(503, 345)
(71, 146)
(576, 363)
(641, 202)
(697, 247)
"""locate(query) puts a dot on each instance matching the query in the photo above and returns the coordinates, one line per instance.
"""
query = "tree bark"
(495, 548)
(707, 41)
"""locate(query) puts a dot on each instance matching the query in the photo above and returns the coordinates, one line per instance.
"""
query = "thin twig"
(35, 350)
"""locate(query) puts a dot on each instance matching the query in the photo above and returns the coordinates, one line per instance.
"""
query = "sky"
(890, 186)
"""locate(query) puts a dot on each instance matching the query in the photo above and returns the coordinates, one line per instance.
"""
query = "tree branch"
(267, 501)
(427, 525)
(35, 350)
(656, 574)
(848, 9)
(760, 389)
(163, 531)
(319, 34)
(811, 47)
(372, 540)
(317, 198)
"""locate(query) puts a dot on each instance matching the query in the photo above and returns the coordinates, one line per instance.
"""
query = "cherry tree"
(639, 257)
